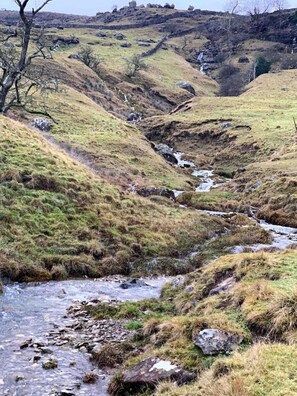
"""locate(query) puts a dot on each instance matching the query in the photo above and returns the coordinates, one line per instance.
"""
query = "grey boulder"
(166, 152)
(214, 342)
(42, 124)
(133, 117)
(119, 36)
(151, 371)
(187, 86)
(224, 286)
(149, 191)
(126, 45)
(133, 283)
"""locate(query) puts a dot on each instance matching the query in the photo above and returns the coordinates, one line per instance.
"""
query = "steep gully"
(37, 311)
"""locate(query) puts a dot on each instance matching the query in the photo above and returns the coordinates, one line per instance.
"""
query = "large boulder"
(187, 86)
(74, 56)
(149, 191)
(119, 36)
(214, 342)
(126, 45)
(133, 117)
(60, 41)
(223, 286)
(166, 152)
(130, 283)
(101, 34)
(42, 124)
(243, 59)
(152, 371)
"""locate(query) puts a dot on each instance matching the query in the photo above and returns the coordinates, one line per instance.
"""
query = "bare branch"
(34, 12)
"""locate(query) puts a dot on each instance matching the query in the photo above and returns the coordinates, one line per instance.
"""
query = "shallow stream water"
(32, 311)
(29, 311)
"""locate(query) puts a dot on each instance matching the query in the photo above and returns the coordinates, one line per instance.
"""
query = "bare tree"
(134, 65)
(17, 77)
(232, 7)
(281, 4)
(89, 58)
(258, 7)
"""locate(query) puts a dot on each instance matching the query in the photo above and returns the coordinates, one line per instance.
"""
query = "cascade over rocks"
(214, 342)
(166, 152)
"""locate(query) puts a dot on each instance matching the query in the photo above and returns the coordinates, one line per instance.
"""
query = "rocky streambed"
(42, 350)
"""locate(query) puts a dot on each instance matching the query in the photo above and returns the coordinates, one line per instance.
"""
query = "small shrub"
(90, 59)
(135, 325)
(134, 66)
(262, 66)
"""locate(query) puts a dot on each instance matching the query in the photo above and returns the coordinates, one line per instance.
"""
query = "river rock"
(133, 283)
(187, 86)
(224, 286)
(166, 152)
(152, 371)
(66, 392)
(50, 364)
(214, 342)
(42, 124)
(26, 343)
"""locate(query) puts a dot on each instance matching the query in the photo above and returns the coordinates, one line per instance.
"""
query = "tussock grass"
(262, 303)
(262, 370)
(60, 219)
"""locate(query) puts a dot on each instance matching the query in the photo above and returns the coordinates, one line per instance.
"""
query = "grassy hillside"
(116, 150)
(158, 81)
(59, 218)
(254, 132)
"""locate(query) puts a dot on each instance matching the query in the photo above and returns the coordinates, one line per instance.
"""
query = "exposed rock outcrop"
(151, 371)
(214, 342)
(42, 124)
(149, 191)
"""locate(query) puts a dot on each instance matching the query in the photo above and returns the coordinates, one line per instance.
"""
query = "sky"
(91, 7)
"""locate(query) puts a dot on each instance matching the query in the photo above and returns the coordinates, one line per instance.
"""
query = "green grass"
(59, 219)
(261, 371)
(262, 302)
(118, 151)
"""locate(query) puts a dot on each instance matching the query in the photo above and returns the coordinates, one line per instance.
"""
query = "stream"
(34, 311)
(282, 237)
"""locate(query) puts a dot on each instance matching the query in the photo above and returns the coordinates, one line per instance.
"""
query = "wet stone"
(50, 364)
